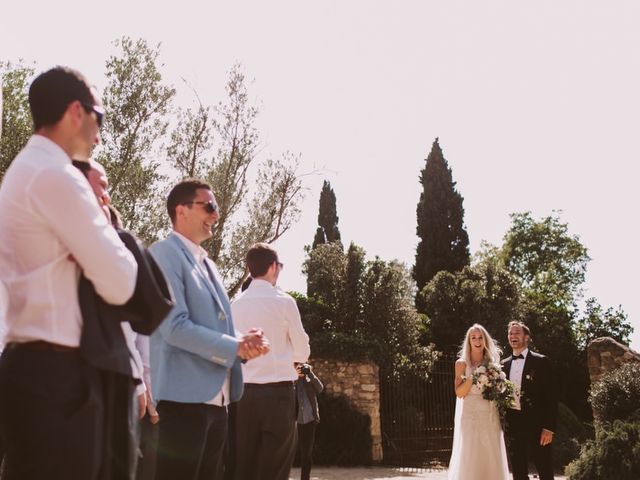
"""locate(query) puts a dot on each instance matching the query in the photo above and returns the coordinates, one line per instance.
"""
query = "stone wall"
(605, 354)
(359, 382)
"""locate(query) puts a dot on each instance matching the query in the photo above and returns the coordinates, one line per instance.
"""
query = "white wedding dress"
(478, 450)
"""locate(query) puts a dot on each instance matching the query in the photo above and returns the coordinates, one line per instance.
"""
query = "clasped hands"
(253, 344)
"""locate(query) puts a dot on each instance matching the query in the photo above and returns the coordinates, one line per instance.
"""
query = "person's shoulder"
(461, 361)
(537, 355)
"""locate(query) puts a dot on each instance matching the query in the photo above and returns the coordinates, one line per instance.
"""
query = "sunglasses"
(99, 111)
(209, 207)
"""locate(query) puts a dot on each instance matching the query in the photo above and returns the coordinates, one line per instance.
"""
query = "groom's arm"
(549, 401)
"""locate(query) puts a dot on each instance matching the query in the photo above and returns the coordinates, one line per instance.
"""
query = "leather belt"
(287, 383)
(40, 345)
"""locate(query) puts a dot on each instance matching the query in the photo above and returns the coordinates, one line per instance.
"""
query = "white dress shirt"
(51, 228)
(267, 307)
(201, 256)
(515, 375)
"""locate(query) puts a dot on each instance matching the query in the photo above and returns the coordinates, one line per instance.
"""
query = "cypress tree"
(444, 243)
(327, 231)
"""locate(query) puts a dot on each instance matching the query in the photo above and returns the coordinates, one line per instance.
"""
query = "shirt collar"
(57, 154)
(524, 353)
(199, 253)
(259, 283)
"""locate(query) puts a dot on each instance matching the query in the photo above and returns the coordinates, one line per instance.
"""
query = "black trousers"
(306, 437)
(265, 432)
(191, 441)
(51, 415)
(523, 445)
(146, 469)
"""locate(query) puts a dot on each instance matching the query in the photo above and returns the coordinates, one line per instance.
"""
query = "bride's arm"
(462, 384)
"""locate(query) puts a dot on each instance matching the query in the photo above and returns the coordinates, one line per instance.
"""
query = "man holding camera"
(308, 387)
(266, 414)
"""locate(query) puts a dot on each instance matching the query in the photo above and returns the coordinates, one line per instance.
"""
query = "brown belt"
(40, 345)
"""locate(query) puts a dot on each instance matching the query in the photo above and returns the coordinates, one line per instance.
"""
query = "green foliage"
(597, 322)
(614, 454)
(326, 267)
(547, 259)
(343, 436)
(570, 434)
(138, 105)
(363, 310)
(616, 396)
(327, 231)
(444, 243)
(484, 293)
(17, 125)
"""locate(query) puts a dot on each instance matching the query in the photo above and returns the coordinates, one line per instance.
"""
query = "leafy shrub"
(614, 454)
(570, 434)
(617, 395)
(343, 436)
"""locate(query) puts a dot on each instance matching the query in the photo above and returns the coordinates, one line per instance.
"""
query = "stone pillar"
(359, 382)
(605, 354)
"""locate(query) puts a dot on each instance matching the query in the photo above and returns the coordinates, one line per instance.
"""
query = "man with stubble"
(51, 230)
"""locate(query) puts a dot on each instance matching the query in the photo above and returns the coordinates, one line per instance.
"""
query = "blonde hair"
(491, 350)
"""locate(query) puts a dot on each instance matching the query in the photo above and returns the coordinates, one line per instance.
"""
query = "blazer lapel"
(201, 271)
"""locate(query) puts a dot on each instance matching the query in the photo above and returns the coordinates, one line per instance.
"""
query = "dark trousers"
(306, 437)
(265, 432)
(191, 441)
(524, 444)
(51, 414)
(121, 430)
(148, 449)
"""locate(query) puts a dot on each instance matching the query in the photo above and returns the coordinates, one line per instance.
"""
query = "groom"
(532, 420)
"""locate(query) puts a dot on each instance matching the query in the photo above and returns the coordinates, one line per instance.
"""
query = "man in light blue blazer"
(195, 353)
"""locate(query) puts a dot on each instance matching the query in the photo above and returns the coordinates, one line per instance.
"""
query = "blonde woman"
(478, 442)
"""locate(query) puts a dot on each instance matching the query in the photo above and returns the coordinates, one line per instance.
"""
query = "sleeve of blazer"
(548, 393)
(316, 383)
(178, 329)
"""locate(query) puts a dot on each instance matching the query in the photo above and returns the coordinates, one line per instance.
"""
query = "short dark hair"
(51, 93)
(182, 193)
(517, 323)
(259, 258)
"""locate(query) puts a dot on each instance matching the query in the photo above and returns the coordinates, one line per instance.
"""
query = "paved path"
(374, 473)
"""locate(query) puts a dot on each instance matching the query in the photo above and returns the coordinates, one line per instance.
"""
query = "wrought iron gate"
(417, 417)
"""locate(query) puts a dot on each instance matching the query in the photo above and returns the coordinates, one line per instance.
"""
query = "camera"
(305, 368)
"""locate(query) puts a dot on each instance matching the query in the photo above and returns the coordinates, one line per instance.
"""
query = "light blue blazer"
(195, 346)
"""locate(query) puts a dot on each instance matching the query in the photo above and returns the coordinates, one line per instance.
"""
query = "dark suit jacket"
(538, 397)
(102, 342)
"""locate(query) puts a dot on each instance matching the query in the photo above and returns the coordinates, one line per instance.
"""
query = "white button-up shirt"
(201, 256)
(515, 375)
(267, 307)
(51, 228)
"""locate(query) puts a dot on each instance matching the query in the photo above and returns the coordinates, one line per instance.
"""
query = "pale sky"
(536, 105)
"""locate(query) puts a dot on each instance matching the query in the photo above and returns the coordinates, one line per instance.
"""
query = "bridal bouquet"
(495, 387)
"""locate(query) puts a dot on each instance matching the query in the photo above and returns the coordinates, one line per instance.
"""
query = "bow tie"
(516, 357)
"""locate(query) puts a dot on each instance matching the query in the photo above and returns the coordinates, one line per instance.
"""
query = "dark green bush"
(614, 454)
(617, 395)
(343, 436)
(570, 434)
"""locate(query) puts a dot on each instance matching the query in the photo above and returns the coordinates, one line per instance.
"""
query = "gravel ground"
(375, 473)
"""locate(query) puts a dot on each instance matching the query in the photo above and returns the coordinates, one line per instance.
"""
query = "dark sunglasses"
(209, 207)
(99, 111)
(280, 265)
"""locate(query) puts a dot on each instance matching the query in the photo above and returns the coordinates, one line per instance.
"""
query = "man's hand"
(151, 409)
(253, 344)
(142, 405)
(546, 437)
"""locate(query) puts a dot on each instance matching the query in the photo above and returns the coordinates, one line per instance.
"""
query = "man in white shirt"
(51, 229)
(195, 354)
(266, 414)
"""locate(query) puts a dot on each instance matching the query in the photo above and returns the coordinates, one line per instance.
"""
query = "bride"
(478, 442)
